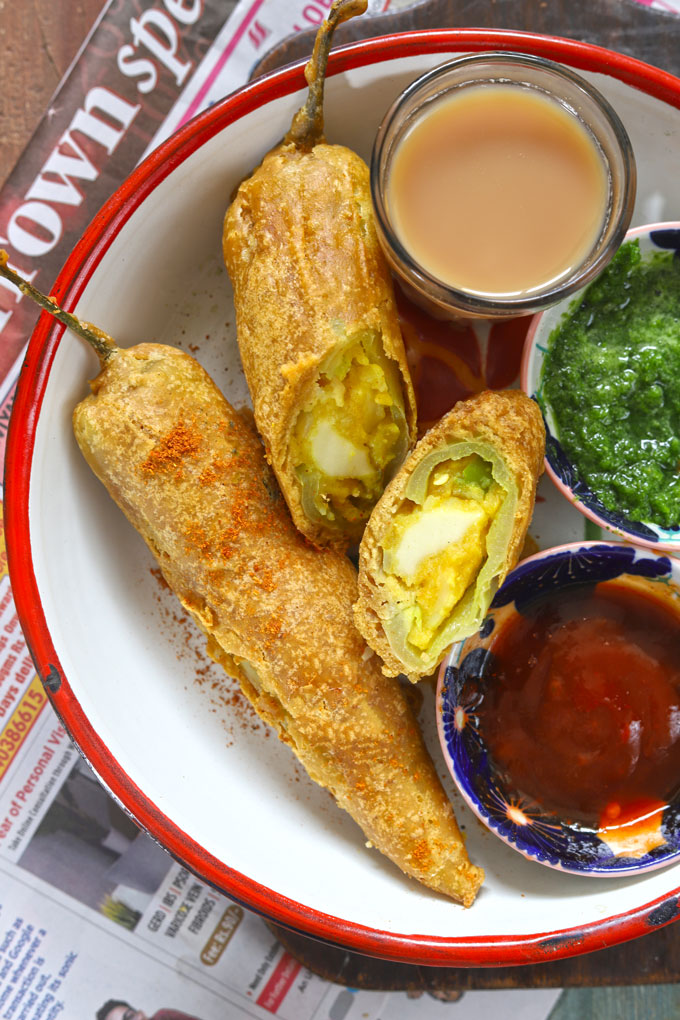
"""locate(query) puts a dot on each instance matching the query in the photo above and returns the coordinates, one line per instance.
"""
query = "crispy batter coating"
(308, 274)
(191, 476)
(505, 422)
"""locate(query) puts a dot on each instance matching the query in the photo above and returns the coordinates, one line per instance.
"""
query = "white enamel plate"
(198, 770)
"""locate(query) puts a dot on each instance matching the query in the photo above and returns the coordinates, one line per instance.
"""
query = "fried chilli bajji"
(316, 321)
(190, 474)
(448, 529)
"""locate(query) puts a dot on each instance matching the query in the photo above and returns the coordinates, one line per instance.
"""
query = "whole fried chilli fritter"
(191, 476)
(317, 322)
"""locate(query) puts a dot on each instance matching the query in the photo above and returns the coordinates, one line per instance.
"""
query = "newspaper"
(96, 920)
(669, 6)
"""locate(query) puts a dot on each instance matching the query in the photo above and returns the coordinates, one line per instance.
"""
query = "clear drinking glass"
(581, 100)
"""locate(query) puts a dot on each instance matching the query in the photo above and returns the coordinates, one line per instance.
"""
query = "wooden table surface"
(38, 41)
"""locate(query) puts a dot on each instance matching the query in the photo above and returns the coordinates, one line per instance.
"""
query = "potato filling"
(432, 552)
(350, 436)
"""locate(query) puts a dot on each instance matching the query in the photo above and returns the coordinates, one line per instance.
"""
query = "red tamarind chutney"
(581, 711)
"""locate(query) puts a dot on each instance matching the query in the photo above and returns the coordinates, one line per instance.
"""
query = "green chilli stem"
(103, 345)
(307, 127)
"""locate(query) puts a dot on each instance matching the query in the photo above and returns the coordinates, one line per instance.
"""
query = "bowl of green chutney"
(604, 366)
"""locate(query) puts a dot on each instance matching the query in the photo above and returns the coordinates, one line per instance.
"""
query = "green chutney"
(611, 377)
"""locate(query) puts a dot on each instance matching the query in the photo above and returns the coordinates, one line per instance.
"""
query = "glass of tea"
(501, 182)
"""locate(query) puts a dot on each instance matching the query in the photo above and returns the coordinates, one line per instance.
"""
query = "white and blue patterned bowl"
(563, 472)
(521, 823)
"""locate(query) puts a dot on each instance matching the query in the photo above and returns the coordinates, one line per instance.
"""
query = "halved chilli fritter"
(447, 530)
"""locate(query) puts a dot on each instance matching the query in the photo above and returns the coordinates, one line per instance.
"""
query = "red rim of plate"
(489, 950)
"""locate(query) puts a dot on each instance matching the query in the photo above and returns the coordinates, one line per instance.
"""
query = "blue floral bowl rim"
(525, 566)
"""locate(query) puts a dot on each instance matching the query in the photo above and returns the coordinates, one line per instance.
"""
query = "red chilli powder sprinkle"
(181, 441)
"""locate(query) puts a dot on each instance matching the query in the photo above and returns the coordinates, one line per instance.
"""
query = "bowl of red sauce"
(560, 720)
